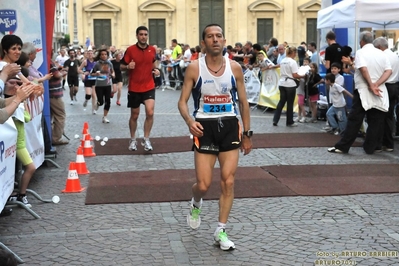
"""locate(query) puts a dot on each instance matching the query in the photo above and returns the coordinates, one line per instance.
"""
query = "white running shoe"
(105, 120)
(193, 217)
(71, 103)
(222, 240)
(147, 144)
(132, 145)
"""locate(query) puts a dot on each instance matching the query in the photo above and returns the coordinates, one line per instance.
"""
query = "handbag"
(296, 81)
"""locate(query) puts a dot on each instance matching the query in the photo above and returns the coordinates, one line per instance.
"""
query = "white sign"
(252, 86)
(8, 140)
(34, 133)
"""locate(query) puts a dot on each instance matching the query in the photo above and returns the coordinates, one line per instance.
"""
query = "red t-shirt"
(194, 56)
(140, 78)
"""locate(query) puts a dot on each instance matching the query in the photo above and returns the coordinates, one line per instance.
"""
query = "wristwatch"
(248, 133)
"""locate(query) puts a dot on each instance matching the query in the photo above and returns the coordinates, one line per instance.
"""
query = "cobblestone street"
(266, 231)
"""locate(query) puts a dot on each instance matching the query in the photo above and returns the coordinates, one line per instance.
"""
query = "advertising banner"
(8, 140)
(34, 132)
(26, 20)
(269, 92)
(252, 86)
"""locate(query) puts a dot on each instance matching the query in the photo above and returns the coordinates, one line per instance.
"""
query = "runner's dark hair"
(210, 25)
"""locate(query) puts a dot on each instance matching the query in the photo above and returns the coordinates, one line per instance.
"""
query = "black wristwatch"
(248, 133)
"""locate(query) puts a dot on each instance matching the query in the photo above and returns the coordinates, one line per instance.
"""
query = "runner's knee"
(227, 184)
(202, 187)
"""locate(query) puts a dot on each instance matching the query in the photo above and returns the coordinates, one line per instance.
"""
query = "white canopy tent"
(378, 14)
(356, 14)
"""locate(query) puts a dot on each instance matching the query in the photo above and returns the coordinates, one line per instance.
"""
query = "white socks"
(196, 204)
(220, 226)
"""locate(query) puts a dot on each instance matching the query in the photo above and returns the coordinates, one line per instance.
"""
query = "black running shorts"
(220, 134)
(134, 99)
(73, 81)
(90, 83)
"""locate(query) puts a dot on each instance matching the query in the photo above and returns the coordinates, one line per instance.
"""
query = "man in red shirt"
(140, 62)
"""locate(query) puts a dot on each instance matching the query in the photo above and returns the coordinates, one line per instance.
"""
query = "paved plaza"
(344, 230)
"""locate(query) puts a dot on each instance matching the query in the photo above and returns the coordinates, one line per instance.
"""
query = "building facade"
(114, 22)
(61, 22)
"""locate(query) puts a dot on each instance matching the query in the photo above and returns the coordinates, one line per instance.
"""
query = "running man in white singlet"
(214, 82)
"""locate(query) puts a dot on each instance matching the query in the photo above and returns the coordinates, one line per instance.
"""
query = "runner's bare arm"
(243, 105)
(190, 78)
(242, 96)
(82, 65)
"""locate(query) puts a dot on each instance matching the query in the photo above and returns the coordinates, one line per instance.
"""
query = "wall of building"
(182, 18)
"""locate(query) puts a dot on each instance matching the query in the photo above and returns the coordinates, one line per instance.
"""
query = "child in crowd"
(301, 93)
(313, 91)
(337, 108)
(339, 79)
(336, 69)
(25, 63)
(264, 63)
(20, 117)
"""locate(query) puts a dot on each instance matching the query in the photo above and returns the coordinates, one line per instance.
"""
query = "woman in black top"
(117, 82)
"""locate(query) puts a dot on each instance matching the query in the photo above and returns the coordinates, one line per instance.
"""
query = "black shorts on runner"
(134, 99)
(73, 81)
(89, 83)
(220, 134)
(117, 79)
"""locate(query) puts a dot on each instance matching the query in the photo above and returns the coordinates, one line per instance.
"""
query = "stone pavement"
(266, 231)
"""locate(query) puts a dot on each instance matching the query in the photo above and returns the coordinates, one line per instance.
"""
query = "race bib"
(217, 108)
(217, 104)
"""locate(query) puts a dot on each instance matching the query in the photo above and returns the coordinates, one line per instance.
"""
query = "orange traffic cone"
(73, 182)
(81, 167)
(88, 148)
(84, 133)
(85, 125)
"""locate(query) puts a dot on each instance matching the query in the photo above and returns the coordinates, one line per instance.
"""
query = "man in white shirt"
(281, 53)
(187, 55)
(312, 47)
(392, 84)
(370, 97)
(60, 60)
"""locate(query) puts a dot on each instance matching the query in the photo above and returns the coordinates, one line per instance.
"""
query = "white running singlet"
(214, 97)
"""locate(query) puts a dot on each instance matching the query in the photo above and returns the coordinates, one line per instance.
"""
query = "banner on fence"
(252, 86)
(8, 140)
(269, 92)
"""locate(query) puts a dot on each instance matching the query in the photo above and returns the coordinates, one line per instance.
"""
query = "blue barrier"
(348, 85)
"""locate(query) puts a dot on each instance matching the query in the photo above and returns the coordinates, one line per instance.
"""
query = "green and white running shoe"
(223, 241)
(193, 218)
